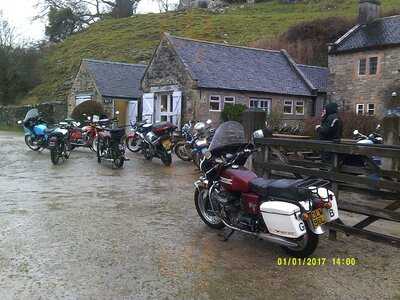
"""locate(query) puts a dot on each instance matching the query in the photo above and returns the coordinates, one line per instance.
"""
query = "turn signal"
(306, 216)
(328, 205)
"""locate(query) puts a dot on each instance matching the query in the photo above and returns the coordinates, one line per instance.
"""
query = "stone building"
(191, 79)
(364, 64)
(103, 87)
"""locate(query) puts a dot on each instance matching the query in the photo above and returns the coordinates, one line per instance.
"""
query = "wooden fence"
(299, 158)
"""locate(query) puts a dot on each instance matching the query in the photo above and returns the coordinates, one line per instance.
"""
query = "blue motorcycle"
(36, 132)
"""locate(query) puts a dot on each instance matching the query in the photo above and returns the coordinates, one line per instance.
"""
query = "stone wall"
(203, 112)
(52, 112)
(347, 88)
(166, 70)
(85, 84)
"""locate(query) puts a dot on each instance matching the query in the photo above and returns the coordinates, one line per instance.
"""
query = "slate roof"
(317, 75)
(378, 33)
(116, 80)
(222, 66)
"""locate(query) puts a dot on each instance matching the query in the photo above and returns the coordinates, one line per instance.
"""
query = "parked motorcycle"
(158, 142)
(82, 137)
(35, 127)
(135, 137)
(110, 143)
(197, 140)
(374, 138)
(59, 144)
(290, 213)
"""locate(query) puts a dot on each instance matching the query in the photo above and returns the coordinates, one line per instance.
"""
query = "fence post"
(335, 188)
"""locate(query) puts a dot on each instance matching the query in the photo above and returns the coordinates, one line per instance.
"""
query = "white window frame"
(230, 102)
(259, 101)
(366, 66)
(357, 109)
(291, 107)
(214, 101)
(302, 105)
(370, 109)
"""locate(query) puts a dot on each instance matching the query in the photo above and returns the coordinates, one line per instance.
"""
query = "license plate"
(317, 217)
(167, 144)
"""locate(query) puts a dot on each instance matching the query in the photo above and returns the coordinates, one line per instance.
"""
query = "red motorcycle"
(83, 137)
(291, 213)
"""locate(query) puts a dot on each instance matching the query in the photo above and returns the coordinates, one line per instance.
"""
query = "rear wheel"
(307, 245)
(203, 207)
(98, 146)
(31, 143)
(166, 158)
(55, 158)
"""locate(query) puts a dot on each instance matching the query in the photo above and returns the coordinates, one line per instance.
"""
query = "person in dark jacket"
(331, 125)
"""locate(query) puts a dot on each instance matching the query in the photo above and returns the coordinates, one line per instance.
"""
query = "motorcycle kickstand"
(227, 234)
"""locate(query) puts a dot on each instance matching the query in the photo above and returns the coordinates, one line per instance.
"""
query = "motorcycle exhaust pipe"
(265, 236)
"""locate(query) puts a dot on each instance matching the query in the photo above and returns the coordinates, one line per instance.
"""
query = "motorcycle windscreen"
(33, 113)
(228, 138)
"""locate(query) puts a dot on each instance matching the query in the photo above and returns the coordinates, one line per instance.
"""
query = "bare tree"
(7, 32)
(166, 5)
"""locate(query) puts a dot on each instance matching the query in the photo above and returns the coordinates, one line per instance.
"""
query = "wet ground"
(86, 231)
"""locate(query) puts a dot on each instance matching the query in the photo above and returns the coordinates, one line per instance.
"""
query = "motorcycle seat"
(282, 188)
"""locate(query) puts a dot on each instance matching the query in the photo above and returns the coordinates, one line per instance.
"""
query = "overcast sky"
(19, 13)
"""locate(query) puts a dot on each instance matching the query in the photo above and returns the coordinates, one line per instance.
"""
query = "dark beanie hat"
(331, 108)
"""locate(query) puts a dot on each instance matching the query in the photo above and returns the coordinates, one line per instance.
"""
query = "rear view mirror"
(209, 122)
(88, 118)
(356, 132)
(117, 112)
(378, 127)
(19, 122)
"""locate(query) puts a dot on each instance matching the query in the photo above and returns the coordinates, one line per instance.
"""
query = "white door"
(177, 108)
(165, 108)
(148, 107)
(132, 112)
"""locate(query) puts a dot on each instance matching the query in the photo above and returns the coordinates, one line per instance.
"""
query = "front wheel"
(133, 144)
(31, 143)
(307, 245)
(203, 207)
(182, 151)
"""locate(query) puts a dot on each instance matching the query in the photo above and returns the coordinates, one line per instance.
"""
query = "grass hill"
(134, 39)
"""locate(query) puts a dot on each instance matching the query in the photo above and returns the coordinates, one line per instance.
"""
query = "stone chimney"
(369, 10)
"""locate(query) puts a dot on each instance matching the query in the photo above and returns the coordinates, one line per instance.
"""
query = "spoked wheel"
(205, 211)
(306, 245)
(133, 144)
(32, 144)
(182, 151)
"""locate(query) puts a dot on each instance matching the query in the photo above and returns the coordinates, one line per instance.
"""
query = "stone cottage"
(191, 79)
(364, 64)
(106, 87)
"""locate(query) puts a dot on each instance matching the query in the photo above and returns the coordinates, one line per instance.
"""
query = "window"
(215, 103)
(360, 109)
(288, 107)
(373, 65)
(371, 109)
(261, 104)
(300, 107)
(362, 66)
(229, 100)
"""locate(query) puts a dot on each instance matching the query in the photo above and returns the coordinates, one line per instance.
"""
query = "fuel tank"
(237, 180)
(39, 129)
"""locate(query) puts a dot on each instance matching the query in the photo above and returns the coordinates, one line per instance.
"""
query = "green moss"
(134, 39)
